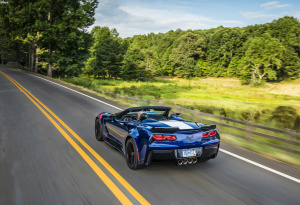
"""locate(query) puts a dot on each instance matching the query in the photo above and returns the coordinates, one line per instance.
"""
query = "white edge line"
(261, 166)
(222, 150)
(78, 92)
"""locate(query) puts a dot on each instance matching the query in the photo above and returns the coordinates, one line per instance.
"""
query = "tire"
(98, 130)
(131, 155)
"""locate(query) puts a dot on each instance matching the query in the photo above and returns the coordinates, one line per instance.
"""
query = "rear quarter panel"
(141, 137)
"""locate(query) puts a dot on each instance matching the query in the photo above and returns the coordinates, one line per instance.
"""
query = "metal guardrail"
(249, 130)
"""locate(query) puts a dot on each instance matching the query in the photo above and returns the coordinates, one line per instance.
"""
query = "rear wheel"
(98, 130)
(131, 154)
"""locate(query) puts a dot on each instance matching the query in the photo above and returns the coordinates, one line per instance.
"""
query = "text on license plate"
(189, 152)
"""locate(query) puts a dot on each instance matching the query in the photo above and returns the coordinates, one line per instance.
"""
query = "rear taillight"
(164, 137)
(209, 134)
(171, 137)
(100, 115)
(159, 137)
(205, 135)
(212, 133)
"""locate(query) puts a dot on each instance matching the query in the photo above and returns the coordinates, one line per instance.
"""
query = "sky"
(138, 17)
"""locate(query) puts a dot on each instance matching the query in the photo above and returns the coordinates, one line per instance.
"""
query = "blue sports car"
(150, 133)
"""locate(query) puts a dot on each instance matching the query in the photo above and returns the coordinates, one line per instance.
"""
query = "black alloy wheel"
(98, 130)
(131, 154)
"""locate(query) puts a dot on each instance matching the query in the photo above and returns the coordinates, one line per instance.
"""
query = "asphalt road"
(38, 165)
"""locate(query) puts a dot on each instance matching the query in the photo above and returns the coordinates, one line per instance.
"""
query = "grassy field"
(220, 96)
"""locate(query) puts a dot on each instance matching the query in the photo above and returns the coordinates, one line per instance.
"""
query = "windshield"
(151, 113)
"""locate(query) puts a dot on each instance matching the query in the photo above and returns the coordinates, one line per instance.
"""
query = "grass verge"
(225, 97)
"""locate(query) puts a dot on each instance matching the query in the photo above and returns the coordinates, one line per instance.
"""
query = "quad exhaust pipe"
(180, 162)
(187, 161)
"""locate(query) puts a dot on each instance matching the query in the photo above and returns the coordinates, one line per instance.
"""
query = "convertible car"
(150, 133)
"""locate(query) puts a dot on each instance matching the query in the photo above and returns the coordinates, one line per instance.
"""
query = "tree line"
(51, 36)
(46, 35)
(256, 53)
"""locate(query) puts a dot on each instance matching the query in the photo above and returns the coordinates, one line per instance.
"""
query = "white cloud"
(255, 15)
(273, 5)
(133, 19)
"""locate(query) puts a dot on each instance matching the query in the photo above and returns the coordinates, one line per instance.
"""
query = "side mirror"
(143, 116)
(175, 115)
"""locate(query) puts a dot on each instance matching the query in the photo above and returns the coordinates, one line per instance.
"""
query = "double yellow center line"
(108, 182)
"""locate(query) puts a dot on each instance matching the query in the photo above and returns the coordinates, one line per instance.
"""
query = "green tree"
(106, 54)
(223, 45)
(140, 60)
(190, 48)
(5, 51)
(200, 69)
(263, 58)
(234, 67)
(12, 29)
(61, 26)
(287, 30)
(167, 68)
(290, 65)
(134, 65)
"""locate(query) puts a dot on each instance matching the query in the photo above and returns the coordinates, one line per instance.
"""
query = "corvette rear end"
(150, 133)
(184, 146)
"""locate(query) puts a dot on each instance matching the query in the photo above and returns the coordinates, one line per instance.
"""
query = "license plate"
(189, 152)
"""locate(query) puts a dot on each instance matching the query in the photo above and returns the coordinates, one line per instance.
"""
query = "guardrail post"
(247, 129)
(289, 136)
(220, 127)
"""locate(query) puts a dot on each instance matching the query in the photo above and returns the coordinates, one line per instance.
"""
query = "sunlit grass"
(217, 93)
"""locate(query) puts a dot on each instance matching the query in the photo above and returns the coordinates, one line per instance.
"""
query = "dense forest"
(254, 53)
(51, 36)
(46, 35)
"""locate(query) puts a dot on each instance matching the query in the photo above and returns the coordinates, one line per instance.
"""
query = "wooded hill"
(270, 51)
(52, 35)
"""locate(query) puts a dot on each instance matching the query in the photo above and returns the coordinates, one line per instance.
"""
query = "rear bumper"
(171, 145)
(169, 155)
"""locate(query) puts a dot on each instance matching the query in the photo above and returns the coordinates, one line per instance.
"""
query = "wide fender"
(104, 117)
(141, 139)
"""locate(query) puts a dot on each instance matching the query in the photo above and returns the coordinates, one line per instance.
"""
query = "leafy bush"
(285, 116)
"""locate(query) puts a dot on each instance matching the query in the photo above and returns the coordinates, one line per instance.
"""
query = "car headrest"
(143, 116)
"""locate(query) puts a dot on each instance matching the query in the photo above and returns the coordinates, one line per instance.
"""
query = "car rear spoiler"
(208, 127)
(176, 129)
(164, 129)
